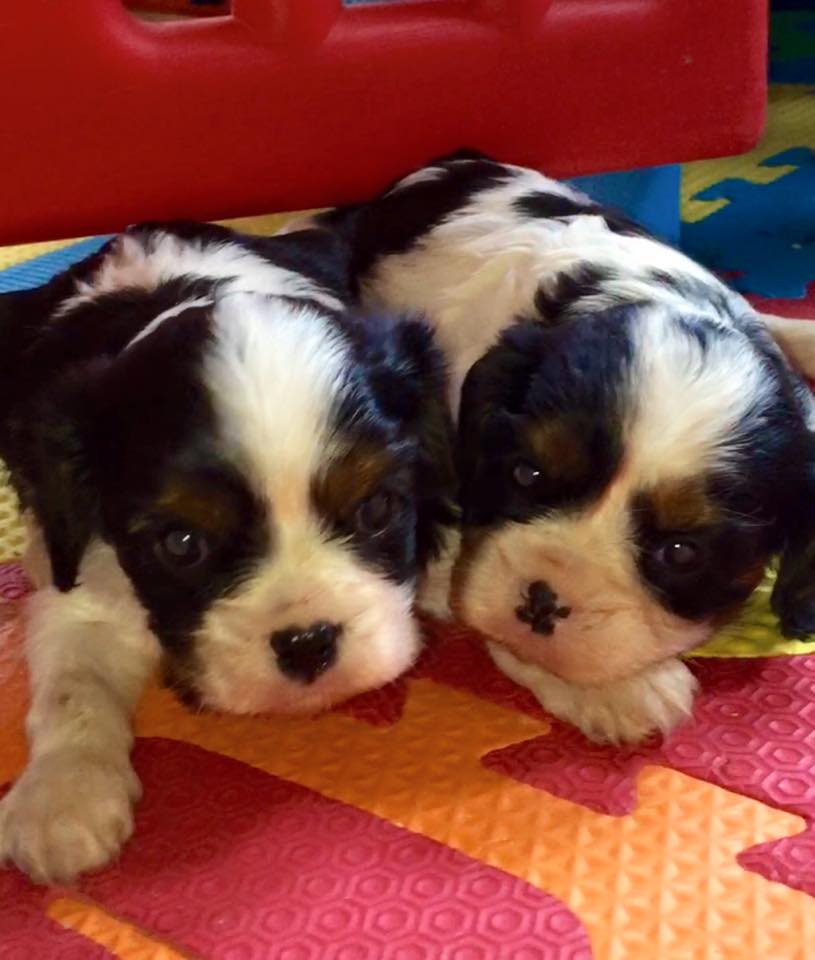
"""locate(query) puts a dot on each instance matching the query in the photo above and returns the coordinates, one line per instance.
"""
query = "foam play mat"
(446, 816)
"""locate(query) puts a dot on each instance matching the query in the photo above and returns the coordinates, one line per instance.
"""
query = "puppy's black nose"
(540, 608)
(303, 653)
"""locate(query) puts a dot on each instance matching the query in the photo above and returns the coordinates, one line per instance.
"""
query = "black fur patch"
(790, 478)
(568, 289)
(395, 221)
(399, 398)
(94, 330)
(35, 345)
(23, 316)
(568, 374)
(734, 552)
(164, 438)
(462, 153)
(553, 206)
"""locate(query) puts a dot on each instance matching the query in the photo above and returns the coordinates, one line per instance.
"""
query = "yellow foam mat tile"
(9, 256)
(119, 938)
(790, 122)
(755, 632)
(12, 535)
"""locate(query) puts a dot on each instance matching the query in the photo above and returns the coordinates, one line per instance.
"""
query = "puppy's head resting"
(626, 477)
(270, 475)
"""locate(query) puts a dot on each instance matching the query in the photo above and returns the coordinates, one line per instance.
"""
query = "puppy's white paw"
(625, 711)
(68, 813)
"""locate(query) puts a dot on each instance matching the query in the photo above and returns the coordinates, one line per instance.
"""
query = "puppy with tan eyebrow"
(633, 445)
(225, 471)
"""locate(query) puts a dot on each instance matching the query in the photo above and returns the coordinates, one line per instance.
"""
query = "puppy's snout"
(303, 653)
(540, 608)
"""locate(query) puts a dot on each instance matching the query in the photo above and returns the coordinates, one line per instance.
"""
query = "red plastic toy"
(287, 105)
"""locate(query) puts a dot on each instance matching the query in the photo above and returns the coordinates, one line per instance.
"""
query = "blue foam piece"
(765, 236)
(793, 60)
(32, 273)
(650, 196)
(793, 71)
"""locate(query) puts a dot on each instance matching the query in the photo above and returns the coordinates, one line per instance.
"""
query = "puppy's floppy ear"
(51, 464)
(793, 597)
(310, 248)
(410, 383)
(493, 391)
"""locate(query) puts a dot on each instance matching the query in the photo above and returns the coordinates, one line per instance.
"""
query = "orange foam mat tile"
(374, 824)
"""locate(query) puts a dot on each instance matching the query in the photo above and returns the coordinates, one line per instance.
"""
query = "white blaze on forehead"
(686, 401)
(276, 374)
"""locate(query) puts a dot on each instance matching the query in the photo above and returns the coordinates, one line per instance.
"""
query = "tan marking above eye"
(683, 505)
(352, 477)
(559, 449)
(202, 506)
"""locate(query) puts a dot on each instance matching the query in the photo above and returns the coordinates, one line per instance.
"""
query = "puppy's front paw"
(631, 710)
(68, 813)
(625, 711)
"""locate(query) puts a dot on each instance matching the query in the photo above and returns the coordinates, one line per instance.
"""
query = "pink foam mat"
(234, 864)
(752, 732)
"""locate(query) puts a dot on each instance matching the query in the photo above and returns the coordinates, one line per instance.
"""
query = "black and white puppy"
(223, 470)
(634, 447)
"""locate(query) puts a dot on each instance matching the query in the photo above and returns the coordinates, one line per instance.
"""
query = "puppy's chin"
(232, 670)
(589, 660)
(611, 627)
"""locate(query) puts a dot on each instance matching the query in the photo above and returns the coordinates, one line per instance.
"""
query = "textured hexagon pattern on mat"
(232, 862)
(448, 789)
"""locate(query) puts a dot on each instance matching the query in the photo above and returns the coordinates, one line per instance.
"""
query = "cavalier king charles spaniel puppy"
(225, 471)
(634, 444)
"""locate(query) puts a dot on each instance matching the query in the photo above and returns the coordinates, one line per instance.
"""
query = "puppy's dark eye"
(182, 549)
(525, 474)
(376, 513)
(681, 555)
